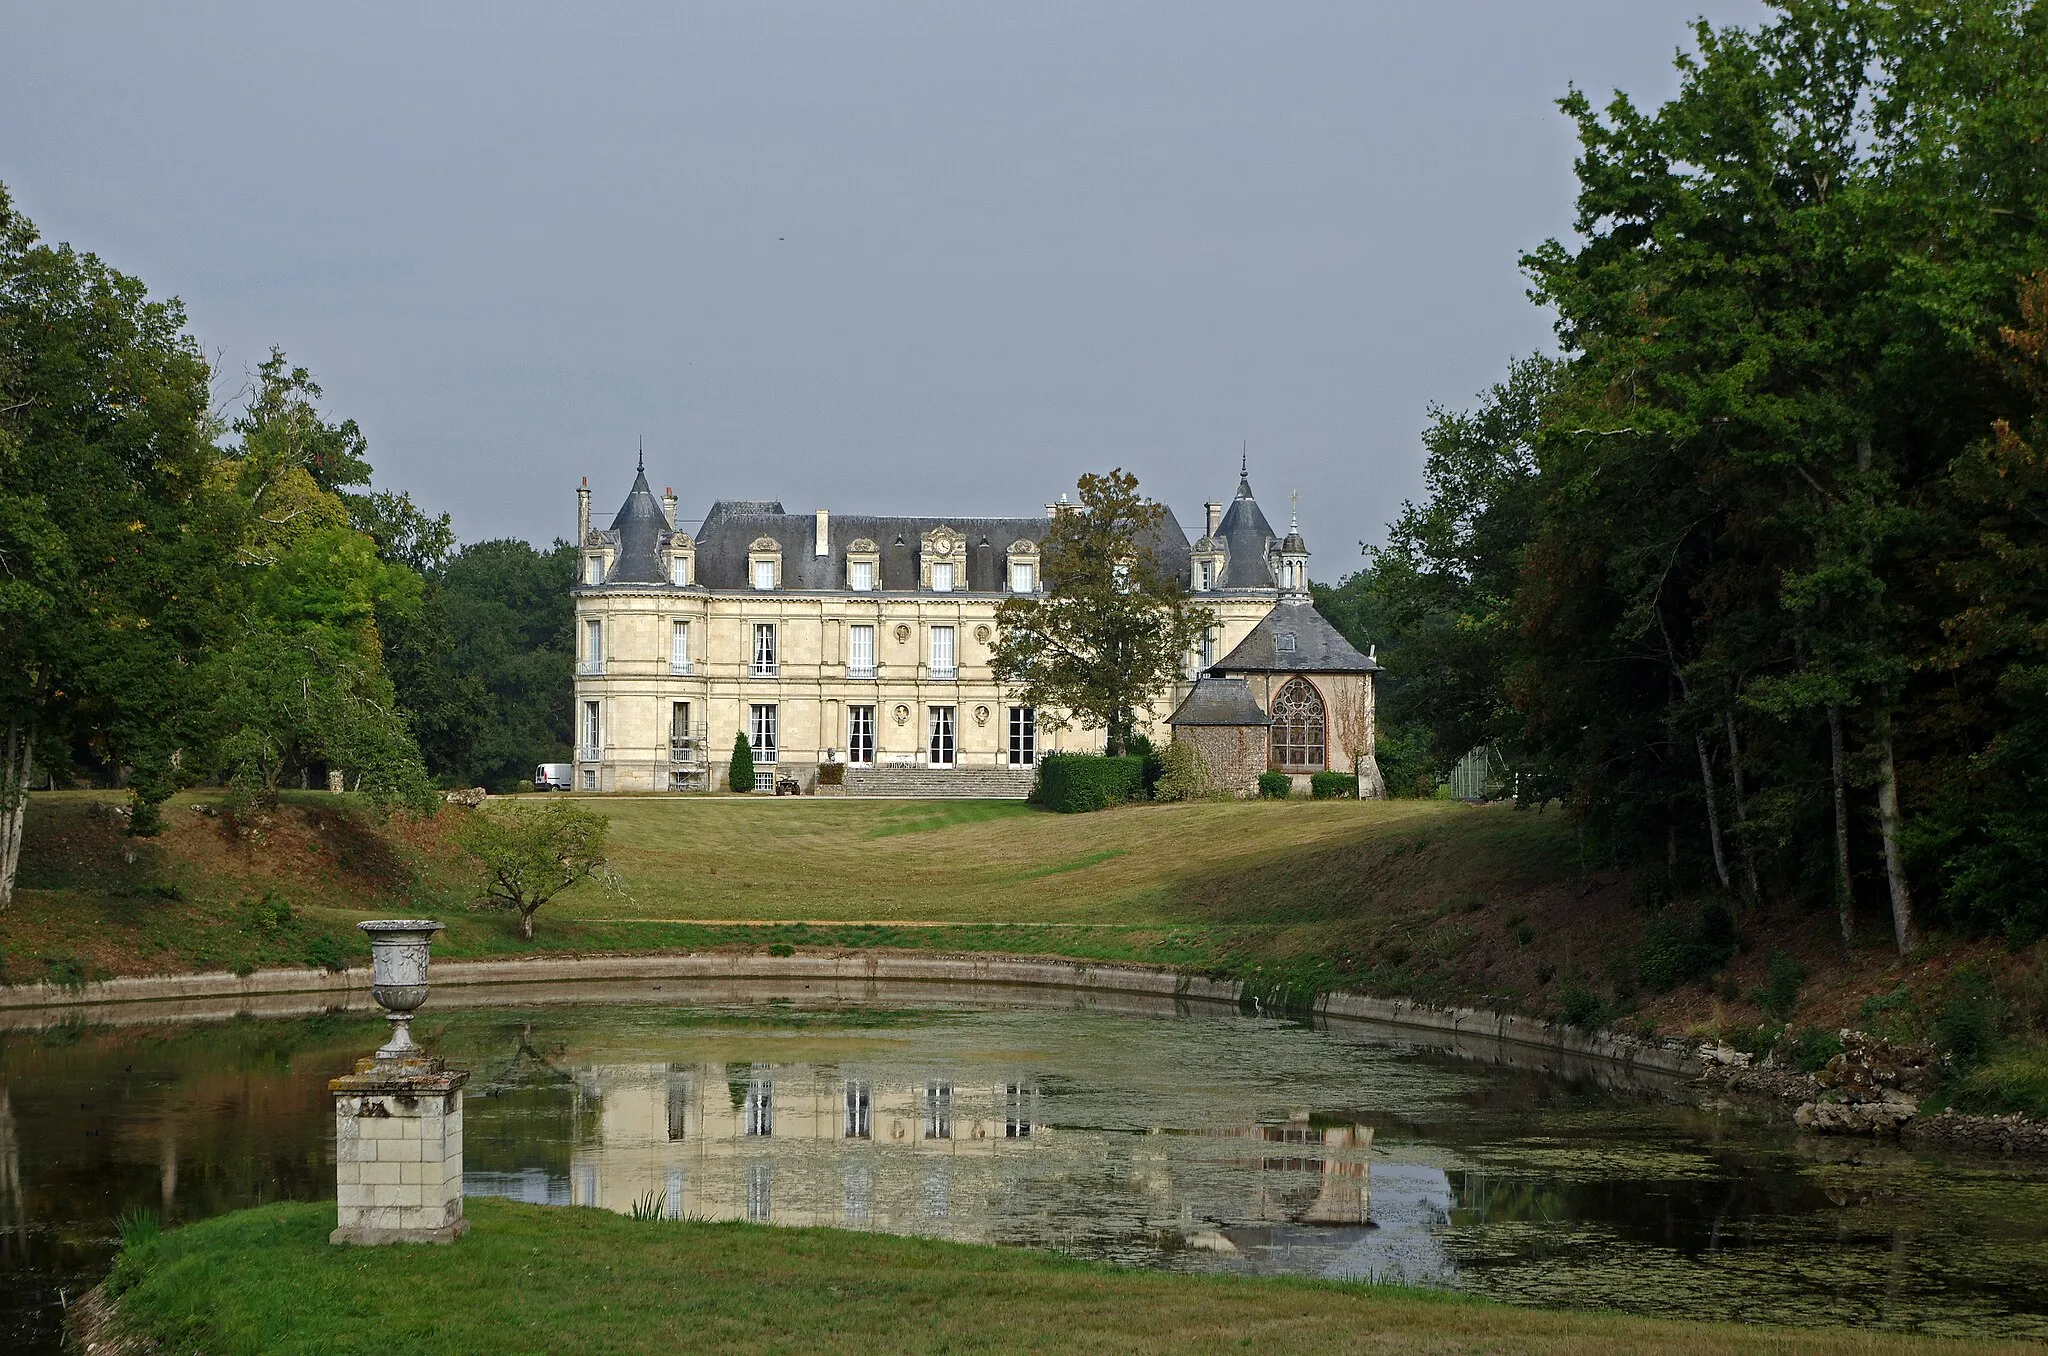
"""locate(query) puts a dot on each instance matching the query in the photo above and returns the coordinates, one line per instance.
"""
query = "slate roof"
(1318, 647)
(1219, 701)
(640, 530)
(641, 534)
(1247, 537)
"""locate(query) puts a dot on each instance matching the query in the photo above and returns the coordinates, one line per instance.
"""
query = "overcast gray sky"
(934, 258)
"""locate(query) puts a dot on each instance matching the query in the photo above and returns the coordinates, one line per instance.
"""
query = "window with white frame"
(942, 576)
(860, 576)
(593, 731)
(1023, 736)
(761, 731)
(945, 653)
(760, 1107)
(860, 650)
(679, 647)
(938, 1110)
(939, 747)
(860, 736)
(1206, 651)
(679, 570)
(764, 650)
(764, 574)
(1205, 575)
(1019, 1101)
(593, 646)
(859, 1120)
(590, 779)
(1023, 577)
(593, 570)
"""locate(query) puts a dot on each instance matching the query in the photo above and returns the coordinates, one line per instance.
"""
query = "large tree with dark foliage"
(111, 581)
(1766, 524)
(1113, 626)
(509, 619)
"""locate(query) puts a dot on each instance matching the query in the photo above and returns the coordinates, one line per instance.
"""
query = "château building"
(863, 640)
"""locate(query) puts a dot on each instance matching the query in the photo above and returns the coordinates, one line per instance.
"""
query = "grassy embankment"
(547, 1279)
(1431, 899)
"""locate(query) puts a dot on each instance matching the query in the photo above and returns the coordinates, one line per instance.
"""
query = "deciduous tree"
(1112, 628)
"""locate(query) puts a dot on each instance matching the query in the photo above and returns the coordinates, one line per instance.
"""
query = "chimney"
(1215, 512)
(668, 506)
(823, 544)
(583, 512)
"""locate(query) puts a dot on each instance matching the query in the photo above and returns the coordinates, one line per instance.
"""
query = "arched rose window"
(1298, 728)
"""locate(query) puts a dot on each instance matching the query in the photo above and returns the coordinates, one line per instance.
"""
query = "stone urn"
(398, 1117)
(398, 977)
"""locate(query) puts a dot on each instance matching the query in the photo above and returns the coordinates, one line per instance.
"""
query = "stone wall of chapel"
(1235, 755)
(1350, 717)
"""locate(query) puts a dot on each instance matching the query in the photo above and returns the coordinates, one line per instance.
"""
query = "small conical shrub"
(742, 763)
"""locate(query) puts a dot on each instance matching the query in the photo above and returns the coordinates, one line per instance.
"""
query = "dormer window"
(863, 565)
(943, 551)
(1205, 575)
(593, 570)
(1286, 642)
(679, 570)
(1023, 566)
(764, 563)
(682, 559)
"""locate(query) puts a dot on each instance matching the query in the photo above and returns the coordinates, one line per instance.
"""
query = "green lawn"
(554, 1280)
(1304, 894)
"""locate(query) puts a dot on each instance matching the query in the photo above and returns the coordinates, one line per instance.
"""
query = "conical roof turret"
(640, 527)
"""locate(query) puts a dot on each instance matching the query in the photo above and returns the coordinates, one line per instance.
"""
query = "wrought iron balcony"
(590, 753)
(860, 670)
(590, 668)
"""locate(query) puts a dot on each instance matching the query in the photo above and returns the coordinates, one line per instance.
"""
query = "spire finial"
(643, 452)
(1244, 460)
(1294, 518)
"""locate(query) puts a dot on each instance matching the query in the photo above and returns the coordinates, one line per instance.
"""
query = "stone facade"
(845, 638)
(398, 1153)
(1235, 755)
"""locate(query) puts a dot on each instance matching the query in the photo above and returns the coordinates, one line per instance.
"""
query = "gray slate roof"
(1247, 537)
(1318, 647)
(1220, 701)
(640, 530)
(731, 527)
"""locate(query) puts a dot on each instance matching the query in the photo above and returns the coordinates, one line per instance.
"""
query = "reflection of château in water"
(855, 1148)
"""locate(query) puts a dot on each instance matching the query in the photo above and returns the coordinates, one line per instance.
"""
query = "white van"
(554, 776)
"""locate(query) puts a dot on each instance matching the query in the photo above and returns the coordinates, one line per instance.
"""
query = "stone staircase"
(926, 783)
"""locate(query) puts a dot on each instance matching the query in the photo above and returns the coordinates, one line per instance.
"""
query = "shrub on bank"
(740, 773)
(1333, 786)
(1073, 783)
(1275, 785)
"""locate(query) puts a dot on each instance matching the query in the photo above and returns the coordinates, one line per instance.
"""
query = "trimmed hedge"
(1075, 782)
(1333, 786)
(1275, 785)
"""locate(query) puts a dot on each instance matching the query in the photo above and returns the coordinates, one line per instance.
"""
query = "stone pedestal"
(398, 1152)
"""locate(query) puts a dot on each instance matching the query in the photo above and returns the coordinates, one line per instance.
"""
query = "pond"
(1200, 1140)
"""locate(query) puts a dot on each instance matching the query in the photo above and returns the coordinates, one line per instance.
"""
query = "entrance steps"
(931, 783)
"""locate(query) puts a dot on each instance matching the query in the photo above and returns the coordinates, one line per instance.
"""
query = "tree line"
(201, 591)
(1753, 573)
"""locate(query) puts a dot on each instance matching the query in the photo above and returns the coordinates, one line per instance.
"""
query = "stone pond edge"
(1674, 1058)
(1668, 1058)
